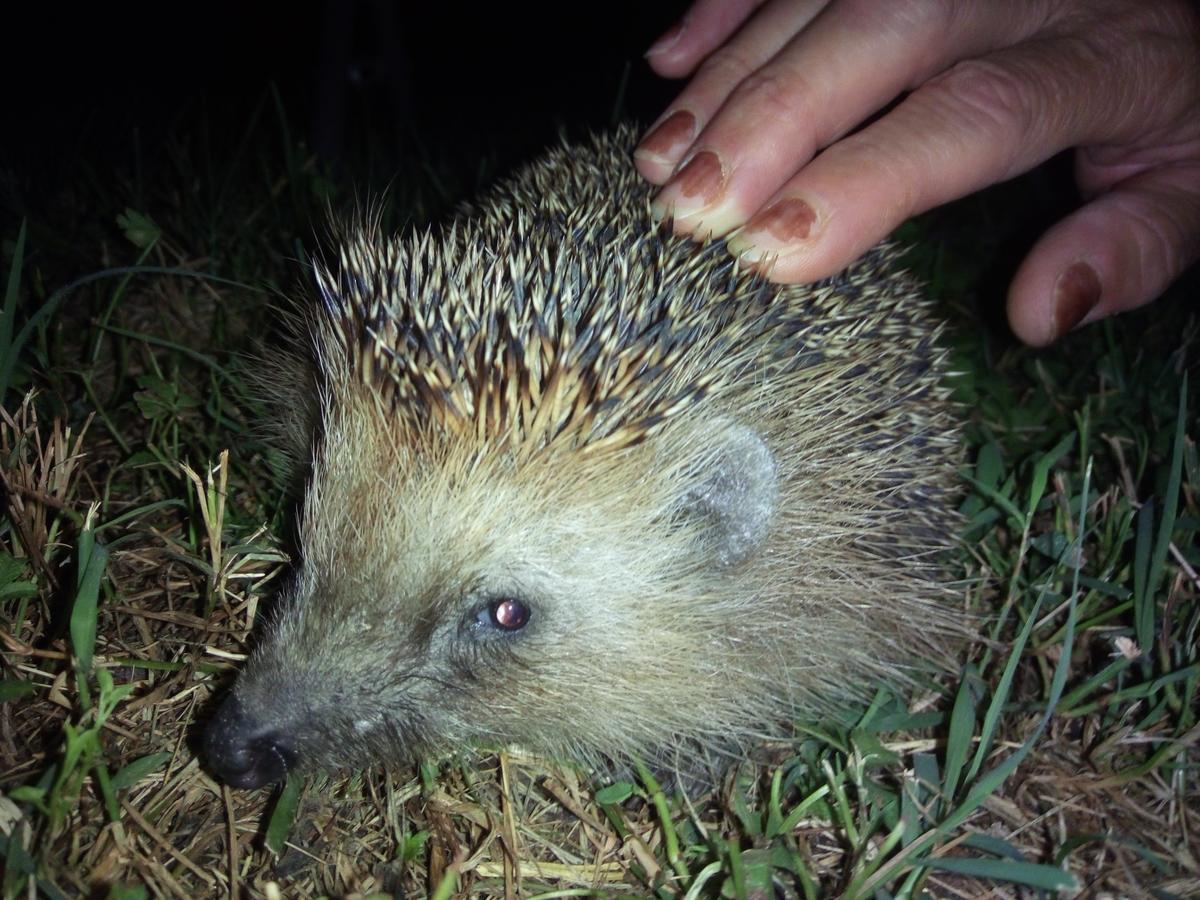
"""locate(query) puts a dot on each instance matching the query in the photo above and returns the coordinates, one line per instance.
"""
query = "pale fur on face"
(639, 637)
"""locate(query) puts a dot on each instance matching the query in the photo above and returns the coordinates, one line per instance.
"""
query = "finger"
(981, 122)
(852, 60)
(759, 40)
(705, 26)
(1117, 253)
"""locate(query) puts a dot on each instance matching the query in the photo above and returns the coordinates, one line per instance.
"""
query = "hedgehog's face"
(573, 606)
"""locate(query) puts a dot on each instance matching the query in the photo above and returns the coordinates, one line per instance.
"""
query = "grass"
(145, 525)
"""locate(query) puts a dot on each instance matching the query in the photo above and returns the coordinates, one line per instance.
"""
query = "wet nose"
(243, 752)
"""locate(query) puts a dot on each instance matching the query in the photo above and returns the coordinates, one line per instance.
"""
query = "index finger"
(705, 26)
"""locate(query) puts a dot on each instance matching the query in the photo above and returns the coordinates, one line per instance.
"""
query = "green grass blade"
(447, 886)
(992, 780)
(997, 498)
(1041, 470)
(993, 845)
(1036, 875)
(131, 774)
(283, 815)
(15, 689)
(93, 558)
(801, 809)
(1170, 502)
(958, 740)
(991, 718)
(131, 514)
(8, 312)
(1143, 602)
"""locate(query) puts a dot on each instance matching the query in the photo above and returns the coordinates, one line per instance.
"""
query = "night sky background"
(106, 85)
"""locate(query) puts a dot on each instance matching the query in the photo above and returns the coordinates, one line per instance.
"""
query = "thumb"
(1118, 252)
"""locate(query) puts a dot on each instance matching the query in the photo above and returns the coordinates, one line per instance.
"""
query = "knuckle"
(1153, 236)
(935, 15)
(774, 92)
(1168, 233)
(986, 94)
(725, 66)
(897, 177)
(1158, 239)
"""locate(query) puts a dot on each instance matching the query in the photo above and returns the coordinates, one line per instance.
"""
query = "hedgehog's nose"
(242, 752)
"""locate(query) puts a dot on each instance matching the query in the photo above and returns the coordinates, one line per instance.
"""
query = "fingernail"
(700, 181)
(787, 221)
(784, 223)
(669, 39)
(674, 132)
(1076, 293)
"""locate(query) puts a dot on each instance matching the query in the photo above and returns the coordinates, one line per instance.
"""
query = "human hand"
(771, 159)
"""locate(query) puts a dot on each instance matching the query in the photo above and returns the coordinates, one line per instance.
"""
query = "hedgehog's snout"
(243, 752)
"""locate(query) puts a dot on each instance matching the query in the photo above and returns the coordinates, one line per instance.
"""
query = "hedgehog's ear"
(734, 494)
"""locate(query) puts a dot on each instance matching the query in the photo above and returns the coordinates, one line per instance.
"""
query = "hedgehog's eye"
(505, 613)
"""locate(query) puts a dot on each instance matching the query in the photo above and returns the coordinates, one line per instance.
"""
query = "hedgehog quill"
(585, 487)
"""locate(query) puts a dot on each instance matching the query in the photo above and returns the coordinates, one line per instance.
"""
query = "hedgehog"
(583, 487)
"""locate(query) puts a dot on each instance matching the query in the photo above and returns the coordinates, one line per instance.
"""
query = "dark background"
(362, 83)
